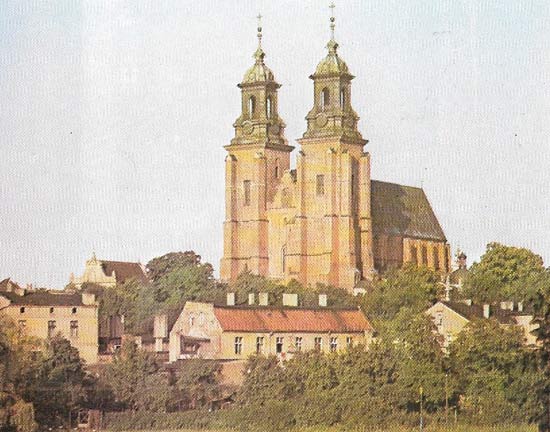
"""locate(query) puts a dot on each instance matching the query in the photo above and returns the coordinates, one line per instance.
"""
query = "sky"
(114, 114)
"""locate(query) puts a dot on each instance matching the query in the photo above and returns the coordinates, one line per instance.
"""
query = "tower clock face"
(247, 128)
(321, 120)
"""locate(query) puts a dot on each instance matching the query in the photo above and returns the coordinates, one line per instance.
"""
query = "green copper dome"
(332, 64)
(259, 72)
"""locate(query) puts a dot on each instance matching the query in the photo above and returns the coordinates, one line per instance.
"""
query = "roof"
(399, 210)
(43, 298)
(476, 311)
(266, 319)
(124, 271)
(459, 275)
(8, 285)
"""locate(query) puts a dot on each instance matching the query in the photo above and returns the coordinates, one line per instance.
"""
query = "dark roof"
(399, 210)
(266, 319)
(8, 285)
(124, 271)
(43, 298)
(458, 275)
(476, 311)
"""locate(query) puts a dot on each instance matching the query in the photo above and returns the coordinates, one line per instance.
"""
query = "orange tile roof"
(265, 319)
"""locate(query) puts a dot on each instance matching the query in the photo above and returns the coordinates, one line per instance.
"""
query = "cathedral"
(325, 220)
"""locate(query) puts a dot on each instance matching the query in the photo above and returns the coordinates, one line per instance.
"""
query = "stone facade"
(43, 314)
(315, 223)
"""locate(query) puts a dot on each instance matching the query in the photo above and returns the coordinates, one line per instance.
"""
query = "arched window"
(277, 168)
(325, 98)
(251, 106)
(342, 98)
(268, 107)
(435, 252)
(414, 254)
(424, 255)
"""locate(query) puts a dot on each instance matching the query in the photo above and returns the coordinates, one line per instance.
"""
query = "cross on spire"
(259, 30)
(332, 20)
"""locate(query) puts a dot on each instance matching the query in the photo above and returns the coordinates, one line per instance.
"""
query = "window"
(283, 258)
(325, 98)
(446, 261)
(436, 258)
(320, 185)
(246, 187)
(424, 255)
(238, 345)
(73, 311)
(268, 107)
(191, 321)
(74, 329)
(349, 341)
(251, 106)
(414, 254)
(51, 328)
(51, 310)
(439, 319)
(279, 344)
(259, 344)
(277, 168)
(333, 344)
(22, 324)
(298, 344)
(21, 310)
(318, 344)
(342, 98)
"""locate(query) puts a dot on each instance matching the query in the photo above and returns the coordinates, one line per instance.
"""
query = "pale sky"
(114, 114)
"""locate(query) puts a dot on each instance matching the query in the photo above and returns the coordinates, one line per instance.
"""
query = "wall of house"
(448, 322)
(33, 320)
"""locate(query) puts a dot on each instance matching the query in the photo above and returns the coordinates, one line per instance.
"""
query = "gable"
(405, 211)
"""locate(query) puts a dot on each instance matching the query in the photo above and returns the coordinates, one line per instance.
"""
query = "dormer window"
(251, 106)
(268, 107)
(325, 98)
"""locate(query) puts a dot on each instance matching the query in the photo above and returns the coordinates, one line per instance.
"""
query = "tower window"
(251, 106)
(325, 98)
(320, 185)
(268, 107)
(277, 168)
(342, 98)
(246, 188)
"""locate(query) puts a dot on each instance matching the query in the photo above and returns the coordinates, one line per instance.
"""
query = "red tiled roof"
(291, 320)
(124, 271)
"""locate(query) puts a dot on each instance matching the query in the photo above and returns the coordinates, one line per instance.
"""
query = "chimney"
(290, 300)
(486, 310)
(507, 305)
(323, 300)
(88, 299)
(263, 299)
(520, 306)
(251, 299)
(231, 299)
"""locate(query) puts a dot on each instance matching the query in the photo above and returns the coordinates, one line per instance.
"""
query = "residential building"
(234, 332)
(44, 314)
(324, 221)
(450, 318)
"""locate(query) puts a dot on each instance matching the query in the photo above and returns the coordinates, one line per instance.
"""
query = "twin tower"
(313, 223)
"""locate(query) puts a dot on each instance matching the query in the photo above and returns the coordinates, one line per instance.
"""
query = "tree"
(504, 273)
(489, 361)
(412, 287)
(198, 382)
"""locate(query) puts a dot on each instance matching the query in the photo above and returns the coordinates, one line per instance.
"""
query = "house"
(109, 273)
(451, 317)
(46, 313)
(235, 332)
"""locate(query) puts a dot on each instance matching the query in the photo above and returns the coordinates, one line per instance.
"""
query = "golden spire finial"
(259, 54)
(332, 20)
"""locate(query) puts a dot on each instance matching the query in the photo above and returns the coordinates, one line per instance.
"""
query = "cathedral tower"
(257, 157)
(333, 173)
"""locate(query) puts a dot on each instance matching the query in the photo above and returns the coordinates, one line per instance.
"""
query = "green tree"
(412, 287)
(504, 273)
(542, 319)
(198, 382)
